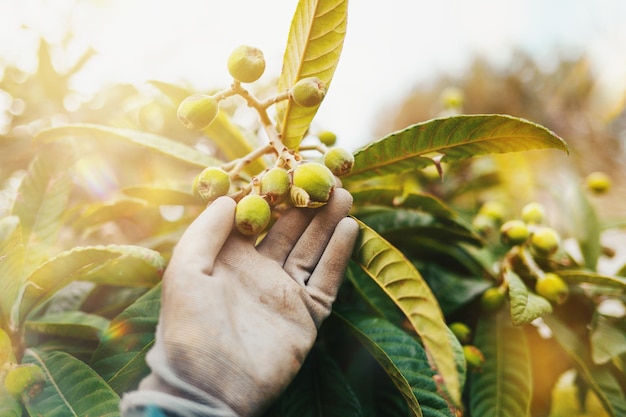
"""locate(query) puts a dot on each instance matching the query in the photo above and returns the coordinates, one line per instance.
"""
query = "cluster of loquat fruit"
(291, 180)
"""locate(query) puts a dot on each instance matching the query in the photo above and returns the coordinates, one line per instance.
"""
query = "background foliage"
(94, 199)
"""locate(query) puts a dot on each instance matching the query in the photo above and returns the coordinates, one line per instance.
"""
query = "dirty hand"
(237, 320)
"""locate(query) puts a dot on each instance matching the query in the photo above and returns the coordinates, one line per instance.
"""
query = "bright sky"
(388, 48)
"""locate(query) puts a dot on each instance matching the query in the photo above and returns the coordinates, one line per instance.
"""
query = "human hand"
(237, 320)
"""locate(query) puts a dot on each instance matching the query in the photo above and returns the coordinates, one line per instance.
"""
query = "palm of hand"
(238, 320)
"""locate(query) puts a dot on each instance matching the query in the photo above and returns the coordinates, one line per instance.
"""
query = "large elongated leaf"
(223, 132)
(41, 203)
(400, 225)
(403, 283)
(120, 357)
(9, 407)
(319, 389)
(504, 387)
(72, 388)
(373, 295)
(404, 360)
(145, 140)
(75, 324)
(608, 340)
(525, 305)
(114, 264)
(313, 48)
(164, 195)
(12, 254)
(598, 377)
(582, 276)
(393, 197)
(455, 138)
(586, 225)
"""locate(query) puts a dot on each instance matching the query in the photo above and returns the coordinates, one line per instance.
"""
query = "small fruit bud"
(598, 182)
(246, 64)
(198, 111)
(308, 92)
(461, 331)
(452, 98)
(327, 137)
(315, 179)
(493, 209)
(484, 225)
(552, 287)
(252, 215)
(339, 161)
(26, 379)
(275, 185)
(492, 299)
(545, 241)
(533, 213)
(211, 183)
(513, 232)
(474, 358)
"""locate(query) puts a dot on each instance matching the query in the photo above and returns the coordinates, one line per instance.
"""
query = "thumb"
(205, 236)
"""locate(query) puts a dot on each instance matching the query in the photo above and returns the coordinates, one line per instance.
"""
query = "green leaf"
(319, 389)
(9, 406)
(120, 357)
(453, 290)
(585, 225)
(525, 305)
(404, 360)
(397, 276)
(403, 225)
(41, 203)
(599, 378)
(581, 276)
(12, 255)
(608, 340)
(455, 138)
(102, 212)
(74, 324)
(223, 132)
(390, 197)
(164, 195)
(504, 387)
(373, 295)
(72, 388)
(144, 140)
(121, 265)
(313, 49)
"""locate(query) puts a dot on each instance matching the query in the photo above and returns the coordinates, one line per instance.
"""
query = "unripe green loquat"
(275, 185)
(461, 331)
(327, 137)
(493, 209)
(492, 299)
(308, 92)
(514, 232)
(246, 64)
(339, 161)
(533, 213)
(198, 111)
(474, 358)
(315, 179)
(252, 215)
(26, 379)
(552, 287)
(545, 241)
(598, 182)
(484, 225)
(211, 183)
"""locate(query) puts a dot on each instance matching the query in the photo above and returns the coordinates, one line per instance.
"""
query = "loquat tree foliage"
(454, 302)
